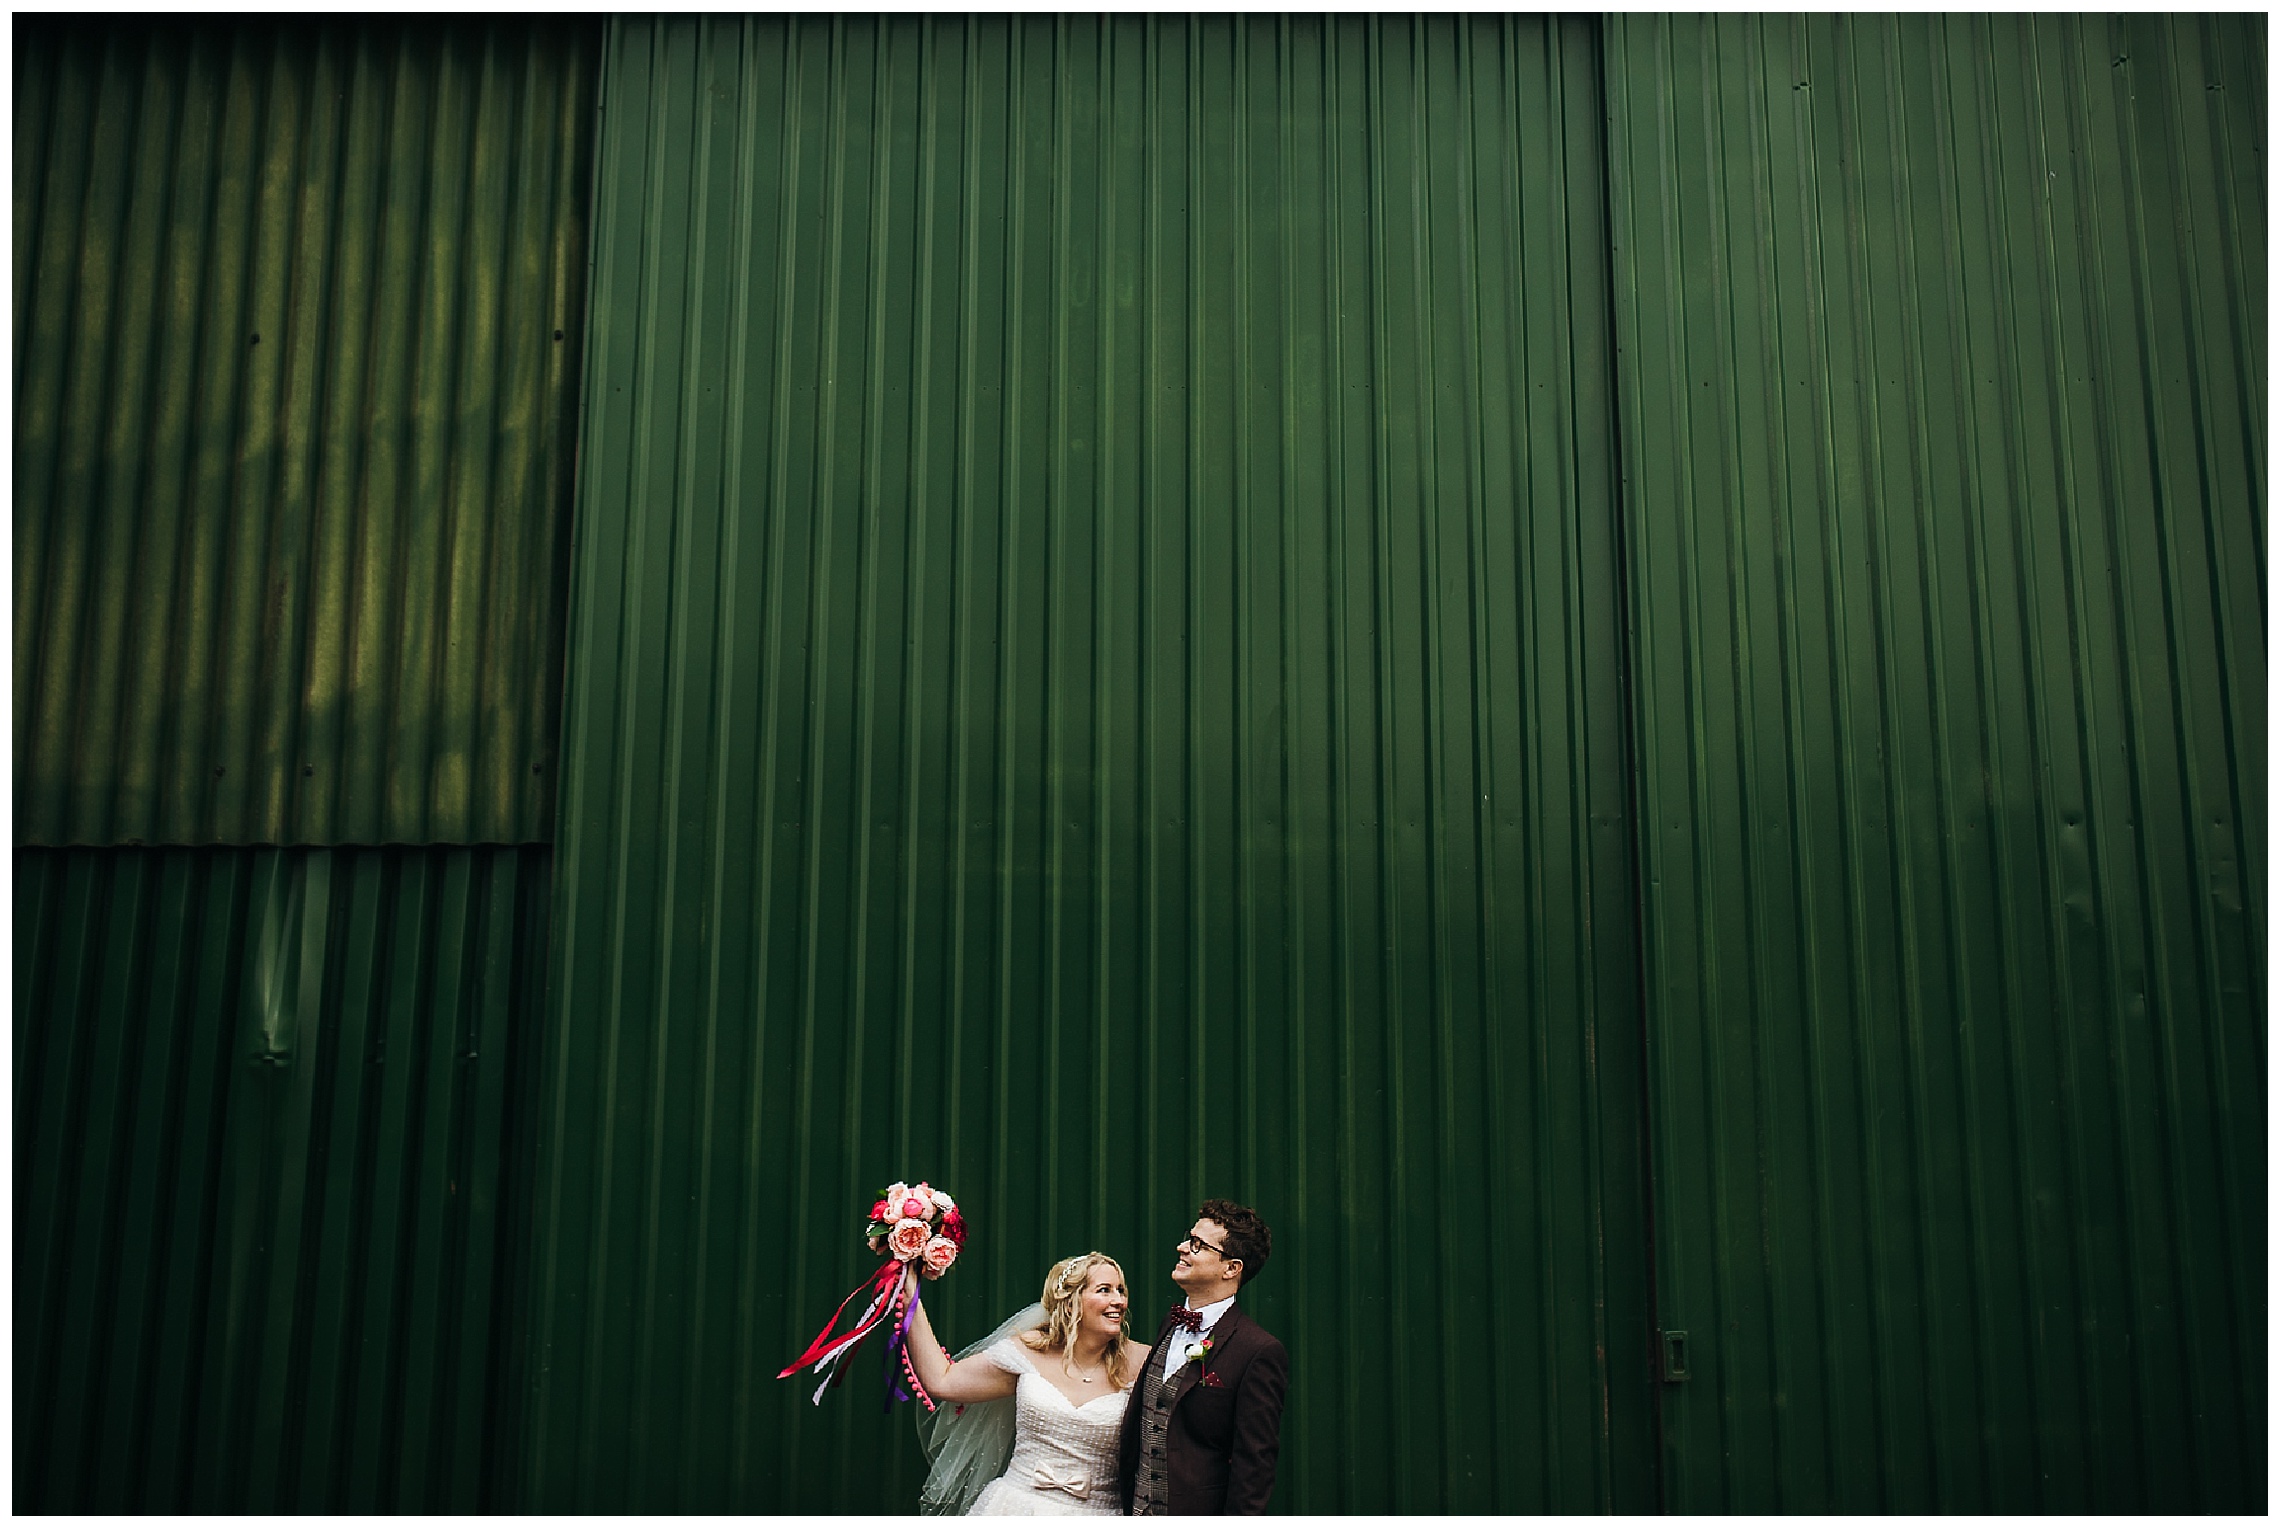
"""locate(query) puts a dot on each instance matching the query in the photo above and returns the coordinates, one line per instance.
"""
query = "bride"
(1032, 1413)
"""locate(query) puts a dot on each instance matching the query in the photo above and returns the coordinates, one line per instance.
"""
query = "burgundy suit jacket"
(1223, 1436)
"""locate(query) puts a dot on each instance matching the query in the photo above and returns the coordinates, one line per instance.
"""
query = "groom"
(1203, 1435)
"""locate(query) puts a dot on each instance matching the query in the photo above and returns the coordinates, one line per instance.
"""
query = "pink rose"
(908, 1239)
(915, 1208)
(879, 1210)
(940, 1253)
(943, 1201)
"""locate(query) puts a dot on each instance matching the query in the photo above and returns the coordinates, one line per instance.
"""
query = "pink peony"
(940, 1253)
(908, 1239)
(914, 1207)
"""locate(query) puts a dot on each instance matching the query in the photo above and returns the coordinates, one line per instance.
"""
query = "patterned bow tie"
(1187, 1320)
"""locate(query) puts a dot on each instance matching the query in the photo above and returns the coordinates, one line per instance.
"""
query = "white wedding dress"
(1064, 1454)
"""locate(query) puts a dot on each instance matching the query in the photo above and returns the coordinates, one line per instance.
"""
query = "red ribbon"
(879, 1285)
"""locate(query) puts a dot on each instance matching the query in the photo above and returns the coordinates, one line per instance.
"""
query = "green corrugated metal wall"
(266, 1104)
(298, 313)
(269, 1102)
(1943, 401)
(1077, 689)
(1105, 556)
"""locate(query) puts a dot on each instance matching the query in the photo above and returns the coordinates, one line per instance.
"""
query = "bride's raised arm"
(973, 1379)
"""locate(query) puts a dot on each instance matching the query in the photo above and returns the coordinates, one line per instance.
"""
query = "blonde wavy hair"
(1064, 1302)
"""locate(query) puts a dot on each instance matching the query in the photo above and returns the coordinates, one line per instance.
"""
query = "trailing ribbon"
(827, 1352)
(894, 1300)
(898, 1352)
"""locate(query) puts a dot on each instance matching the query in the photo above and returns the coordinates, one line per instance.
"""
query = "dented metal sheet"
(271, 1139)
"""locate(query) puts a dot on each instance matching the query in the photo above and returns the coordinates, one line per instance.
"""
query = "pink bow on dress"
(1076, 1482)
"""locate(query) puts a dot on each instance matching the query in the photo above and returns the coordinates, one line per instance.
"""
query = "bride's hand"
(974, 1379)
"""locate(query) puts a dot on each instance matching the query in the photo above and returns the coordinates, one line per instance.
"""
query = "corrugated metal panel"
(1095, 677)
(298, 318)
(1943, 406)
(266, 1104)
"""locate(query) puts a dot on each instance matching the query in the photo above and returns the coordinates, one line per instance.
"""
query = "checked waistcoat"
(1151, 1486)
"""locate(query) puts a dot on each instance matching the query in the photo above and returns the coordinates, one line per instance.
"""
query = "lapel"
(1222, 1337)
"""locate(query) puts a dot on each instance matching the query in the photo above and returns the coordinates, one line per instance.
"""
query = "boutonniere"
(1198, 1354)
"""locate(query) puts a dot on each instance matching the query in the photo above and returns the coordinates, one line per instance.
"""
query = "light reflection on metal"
(299, 311)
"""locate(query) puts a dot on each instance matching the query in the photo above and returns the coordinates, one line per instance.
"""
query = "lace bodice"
(1064, 1454)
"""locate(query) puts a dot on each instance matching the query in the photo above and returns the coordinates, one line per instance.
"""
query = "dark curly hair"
(1248, 1239)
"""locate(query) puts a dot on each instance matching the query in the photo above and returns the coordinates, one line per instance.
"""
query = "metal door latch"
(1673, 1357)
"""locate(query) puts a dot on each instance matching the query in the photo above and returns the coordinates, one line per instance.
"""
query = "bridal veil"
(967, 1446)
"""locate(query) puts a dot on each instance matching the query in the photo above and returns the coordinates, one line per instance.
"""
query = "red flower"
(954, 1227)
(879, 1210)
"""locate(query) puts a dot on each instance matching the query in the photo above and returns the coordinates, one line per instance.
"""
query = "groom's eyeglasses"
(1198, 1244)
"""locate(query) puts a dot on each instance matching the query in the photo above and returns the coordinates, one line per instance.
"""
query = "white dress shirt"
(1185, 1345)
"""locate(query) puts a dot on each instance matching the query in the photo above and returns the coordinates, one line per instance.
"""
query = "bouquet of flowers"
(919, 1231)
(920, 1225)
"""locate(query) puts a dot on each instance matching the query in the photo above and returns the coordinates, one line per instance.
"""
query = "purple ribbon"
(898, 1340)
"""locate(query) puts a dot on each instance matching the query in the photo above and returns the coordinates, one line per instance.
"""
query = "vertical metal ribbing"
(1990, 520)
(279, 1089)
(1111, 574)
(292, 464)
(277, 363)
